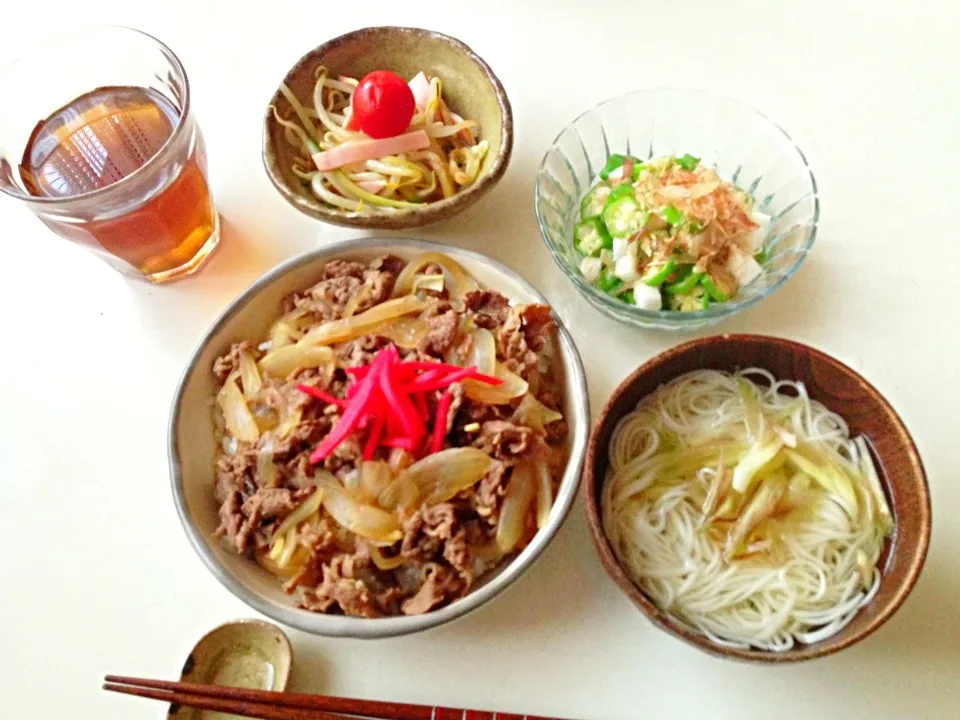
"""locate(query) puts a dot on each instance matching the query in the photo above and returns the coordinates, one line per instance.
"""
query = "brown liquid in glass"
(101, 138)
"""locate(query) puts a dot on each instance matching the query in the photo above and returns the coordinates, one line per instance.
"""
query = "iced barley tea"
(169, 224)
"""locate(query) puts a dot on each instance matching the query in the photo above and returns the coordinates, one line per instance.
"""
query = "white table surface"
(96, 574)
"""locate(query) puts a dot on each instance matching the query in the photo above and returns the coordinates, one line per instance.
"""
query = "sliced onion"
(434, 283)
(354, 302)
(544, 493)
(400, 493)
(285, 360)
(303, 511)
(404, 332)
(521, 491)
(266, 417)
(283, 334)
(351, 481)
(461, 282)
(399, 459)
(357, 517)
(288, 422)
(483, 351)
(533, 413)
(442, 475)
(300, 556)
(249, 376)
(353, 327)
(289, 547)
(236, 414)
(385, 563)
(266, 470)
(375, 476)
(513, 386)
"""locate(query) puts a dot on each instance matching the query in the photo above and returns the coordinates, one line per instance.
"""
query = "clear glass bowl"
(744, 147)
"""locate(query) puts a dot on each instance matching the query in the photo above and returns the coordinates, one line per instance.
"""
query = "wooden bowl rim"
(662, 620)
(404, 219)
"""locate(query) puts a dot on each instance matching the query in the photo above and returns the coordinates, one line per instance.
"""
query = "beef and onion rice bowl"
(396, 436)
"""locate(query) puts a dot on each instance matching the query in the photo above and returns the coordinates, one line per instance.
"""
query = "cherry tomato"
(383, 104)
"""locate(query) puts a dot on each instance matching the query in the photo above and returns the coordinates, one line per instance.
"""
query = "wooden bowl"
(843, 391)
(469, 87)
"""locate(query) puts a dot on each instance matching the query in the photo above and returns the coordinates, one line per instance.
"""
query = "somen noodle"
(745, 510)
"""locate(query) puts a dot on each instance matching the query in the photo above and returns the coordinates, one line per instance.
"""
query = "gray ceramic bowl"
(469, 86)
(192, 445)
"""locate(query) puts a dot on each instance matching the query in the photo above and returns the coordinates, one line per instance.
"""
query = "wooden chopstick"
(226, 704)
(270, 705)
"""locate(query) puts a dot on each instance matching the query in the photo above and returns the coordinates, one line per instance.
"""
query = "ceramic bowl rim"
(592, 484)
(263, 625)
(343, 626)
(408, 218)
(696, 318)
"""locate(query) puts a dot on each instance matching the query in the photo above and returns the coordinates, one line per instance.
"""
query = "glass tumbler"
(99, 141)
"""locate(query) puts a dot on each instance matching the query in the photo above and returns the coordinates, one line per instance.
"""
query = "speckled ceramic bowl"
(192, 441)
(469, 86)
(843, 391)
(250, 654)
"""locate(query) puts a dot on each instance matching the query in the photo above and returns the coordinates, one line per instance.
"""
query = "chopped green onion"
(608, 282)
(761, 256)
(683, 283)
(655, 276)
(613, 162)
(637, 169)
(688, 162)
(628, 297)
(713, 291)
(672, 215)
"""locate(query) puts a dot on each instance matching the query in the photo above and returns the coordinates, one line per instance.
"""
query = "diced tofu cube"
(646, 297)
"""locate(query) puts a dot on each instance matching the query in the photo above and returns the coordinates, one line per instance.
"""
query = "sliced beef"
(345, 457)
(486, 499)
(524, 333)
(360, 351)
(538, 325)
(439, 584)
(480, 412)
(270, 503)
(279, 395)
(456, 400)
(490, 308)
(389, 263)
(442, 333)
(328, 298)
(456, 551)
(380, 285)
(343, 268)
(340, 588)
(512, 345)
(234, 475)
(505, 441)
(230, 361)
(438, 521)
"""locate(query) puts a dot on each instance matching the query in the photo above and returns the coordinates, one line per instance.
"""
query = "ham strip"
(357, 151)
